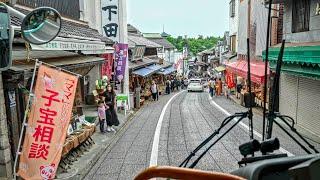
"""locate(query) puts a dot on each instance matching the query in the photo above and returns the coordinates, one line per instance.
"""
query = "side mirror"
(5, 38)
(41, 25)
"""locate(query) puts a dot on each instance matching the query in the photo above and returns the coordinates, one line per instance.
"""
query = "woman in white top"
(154, 90)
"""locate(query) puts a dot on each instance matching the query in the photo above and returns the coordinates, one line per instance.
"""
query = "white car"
(195, 85)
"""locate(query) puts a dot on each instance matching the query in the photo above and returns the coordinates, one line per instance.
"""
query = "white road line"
(156, 138)
(244, 126)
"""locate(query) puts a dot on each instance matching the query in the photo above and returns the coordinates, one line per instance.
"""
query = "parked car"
(195, 85)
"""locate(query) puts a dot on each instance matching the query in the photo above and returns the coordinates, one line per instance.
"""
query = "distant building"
(166, 51)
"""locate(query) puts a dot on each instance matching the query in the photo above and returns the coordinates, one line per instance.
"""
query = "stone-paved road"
(189, 119)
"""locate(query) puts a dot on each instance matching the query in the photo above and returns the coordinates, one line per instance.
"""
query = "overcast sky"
(180, 17)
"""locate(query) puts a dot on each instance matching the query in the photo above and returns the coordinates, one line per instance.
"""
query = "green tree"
(195, 45)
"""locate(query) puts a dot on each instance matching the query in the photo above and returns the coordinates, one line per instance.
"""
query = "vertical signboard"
(106, 69)
(121, 56)
(47, 125)
(110, 19)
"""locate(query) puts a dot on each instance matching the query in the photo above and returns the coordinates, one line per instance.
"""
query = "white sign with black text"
(110, 19)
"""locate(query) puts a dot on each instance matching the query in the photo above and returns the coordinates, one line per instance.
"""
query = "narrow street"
(188, 120)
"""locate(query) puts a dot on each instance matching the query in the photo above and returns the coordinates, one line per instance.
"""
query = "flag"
(47, 124)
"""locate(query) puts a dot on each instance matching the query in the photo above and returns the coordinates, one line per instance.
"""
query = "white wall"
(259, 16)
(234, 22)
(243, 28)
(92, 13)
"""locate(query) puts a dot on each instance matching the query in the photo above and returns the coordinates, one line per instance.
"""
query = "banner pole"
(25, 119)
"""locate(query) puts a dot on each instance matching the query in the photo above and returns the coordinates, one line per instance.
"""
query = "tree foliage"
(195, 45)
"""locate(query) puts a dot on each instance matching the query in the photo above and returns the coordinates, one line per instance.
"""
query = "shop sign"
(138, 52)
(121, 57)
(122, 97)
(106, 68)
(177, 65)
(122, 101)
(110, 19)
(318, 9)
(48, 122)
(74, 45)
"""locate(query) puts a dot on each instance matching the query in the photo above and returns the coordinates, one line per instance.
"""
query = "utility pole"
(124, 39)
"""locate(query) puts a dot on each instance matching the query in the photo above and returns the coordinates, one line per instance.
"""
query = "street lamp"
(40, 26)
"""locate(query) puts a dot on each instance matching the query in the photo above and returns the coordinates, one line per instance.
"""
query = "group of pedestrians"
(215, 87)
(175, 84)
(107, 110)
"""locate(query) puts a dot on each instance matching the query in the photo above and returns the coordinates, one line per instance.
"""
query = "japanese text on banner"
(47, 123)
(121, 56)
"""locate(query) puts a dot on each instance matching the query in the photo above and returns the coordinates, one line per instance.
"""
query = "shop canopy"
(167, 71)
(300, 59)
(240, 68)
(147, 71)
(220, 68)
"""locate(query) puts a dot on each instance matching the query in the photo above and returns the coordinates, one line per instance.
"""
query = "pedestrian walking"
(213, 86)
(111, 114)
(154, 91)
(186, 82)
(168, 86)
(102, 115)
(178, 84)
(172, 85)
(210, 87)
(219, 87)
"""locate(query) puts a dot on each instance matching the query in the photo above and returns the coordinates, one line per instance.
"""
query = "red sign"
(106, 69)
(47, 123)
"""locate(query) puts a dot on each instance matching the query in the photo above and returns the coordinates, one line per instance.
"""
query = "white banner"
(110, 19)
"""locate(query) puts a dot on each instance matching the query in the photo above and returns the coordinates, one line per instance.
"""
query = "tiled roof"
(139, 64)
(135, 39)
(69, 28)
(132, 29)
(152, 35)
(163, 42)
(164, 34)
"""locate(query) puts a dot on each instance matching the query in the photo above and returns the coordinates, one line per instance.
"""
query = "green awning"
(299, 70)
(297, 60)
(309, 55)
(220, 68)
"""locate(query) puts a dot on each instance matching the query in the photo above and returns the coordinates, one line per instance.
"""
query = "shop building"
(300, 77)
(144, 66)
(78, 48)
(254, 16)
(166, 52)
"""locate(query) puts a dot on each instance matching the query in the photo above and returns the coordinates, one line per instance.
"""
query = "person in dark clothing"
(168, 86)
(111, 115)
(172, 85)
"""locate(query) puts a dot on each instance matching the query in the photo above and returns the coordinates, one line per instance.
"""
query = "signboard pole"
(124, 39)
(24, 124)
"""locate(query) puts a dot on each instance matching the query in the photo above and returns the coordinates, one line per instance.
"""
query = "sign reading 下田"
(110, 19)
(48, 122)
